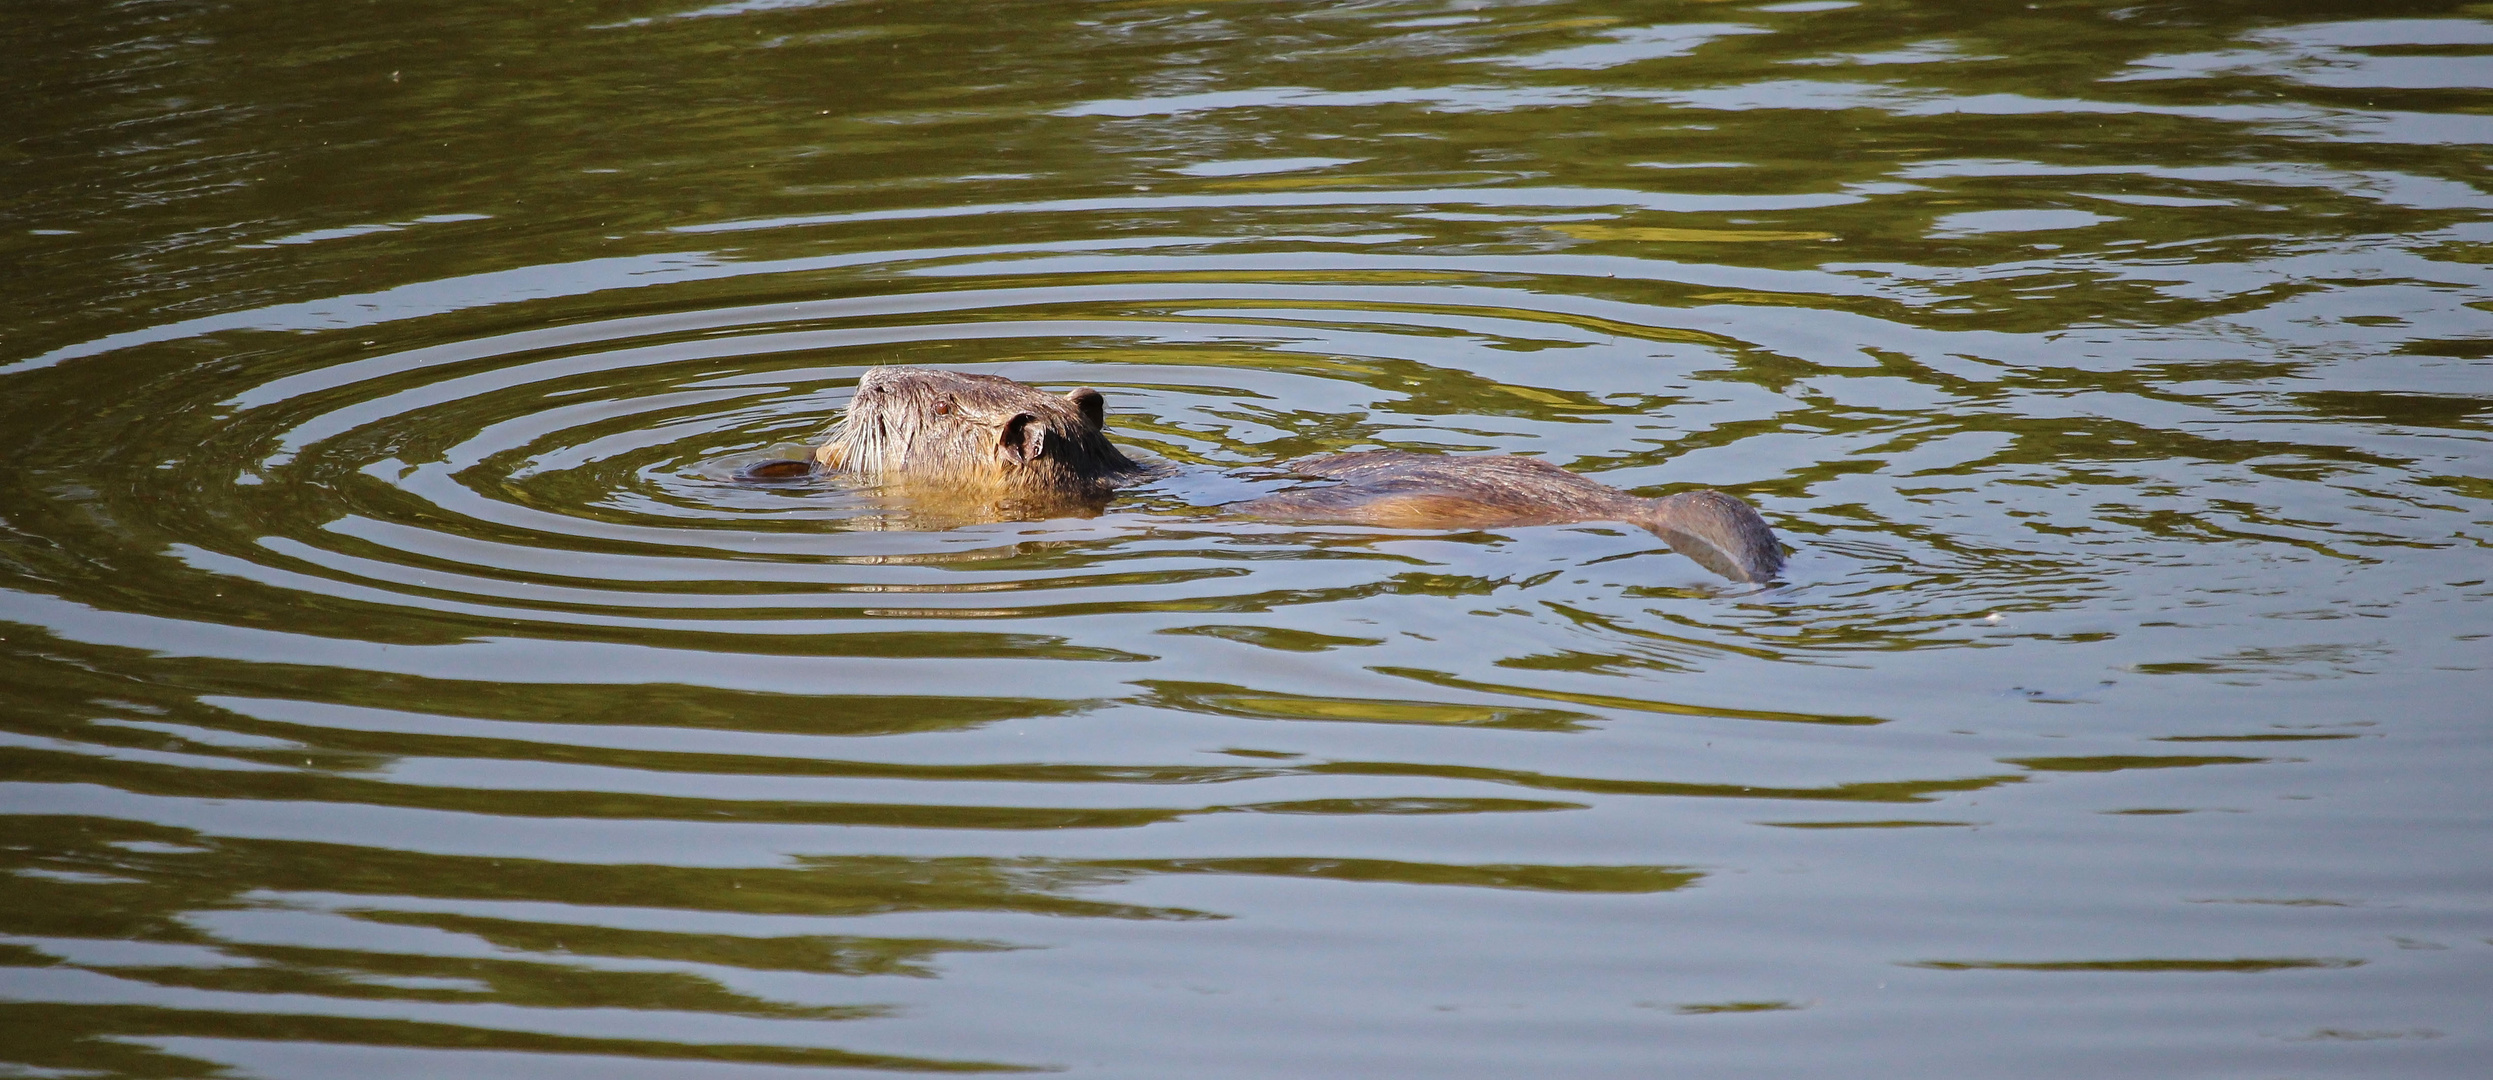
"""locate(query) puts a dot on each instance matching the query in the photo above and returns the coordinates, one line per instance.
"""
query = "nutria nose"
(762, 472)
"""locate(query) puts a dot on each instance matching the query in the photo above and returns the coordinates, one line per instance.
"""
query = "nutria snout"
(955, 438)
(763, 472)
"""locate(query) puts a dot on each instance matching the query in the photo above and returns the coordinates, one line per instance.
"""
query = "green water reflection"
(391, 684)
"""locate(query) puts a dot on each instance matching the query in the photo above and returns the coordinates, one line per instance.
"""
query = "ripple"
(405, 671)
(574, 478)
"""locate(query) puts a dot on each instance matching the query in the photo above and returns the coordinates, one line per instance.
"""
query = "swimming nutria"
(989, 437)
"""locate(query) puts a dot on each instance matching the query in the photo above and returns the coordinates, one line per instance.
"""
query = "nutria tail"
(1719, 531)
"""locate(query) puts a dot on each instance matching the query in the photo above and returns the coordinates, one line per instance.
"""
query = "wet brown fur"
(956, 438)
(1419, 491)
(924, 428)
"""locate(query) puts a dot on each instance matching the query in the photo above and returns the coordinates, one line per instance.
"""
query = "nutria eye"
(943, 408)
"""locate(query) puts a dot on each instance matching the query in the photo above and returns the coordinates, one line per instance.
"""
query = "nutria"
(990, 438)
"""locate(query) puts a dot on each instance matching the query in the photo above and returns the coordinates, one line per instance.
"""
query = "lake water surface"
(392, 683)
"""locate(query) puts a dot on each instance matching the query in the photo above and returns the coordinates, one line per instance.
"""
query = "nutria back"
(1403, 490)
(1423, 491)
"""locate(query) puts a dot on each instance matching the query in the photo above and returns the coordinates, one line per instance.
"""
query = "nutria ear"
(1024, 437)
(1092, 405)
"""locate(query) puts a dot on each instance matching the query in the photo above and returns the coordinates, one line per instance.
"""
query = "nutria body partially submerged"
(1424, 491)
(981, 438)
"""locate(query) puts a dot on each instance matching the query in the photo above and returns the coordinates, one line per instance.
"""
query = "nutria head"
(922, 427)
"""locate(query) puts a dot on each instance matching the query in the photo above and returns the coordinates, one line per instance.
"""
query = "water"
(390, 684)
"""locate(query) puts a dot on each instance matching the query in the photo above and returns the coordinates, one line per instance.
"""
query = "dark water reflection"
(392, 684)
